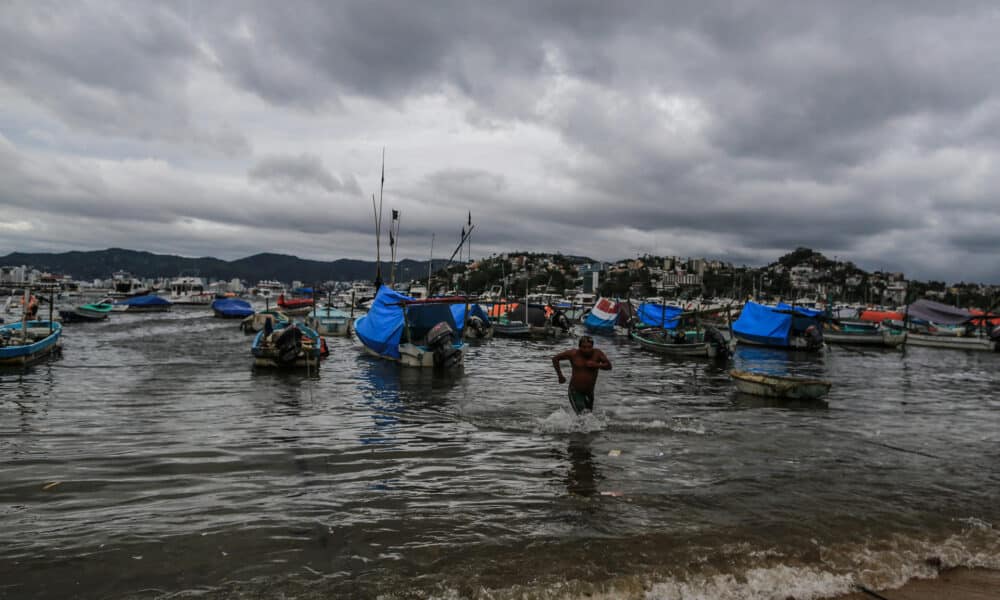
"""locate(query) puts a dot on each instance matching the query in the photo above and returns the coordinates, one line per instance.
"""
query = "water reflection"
(583, 475)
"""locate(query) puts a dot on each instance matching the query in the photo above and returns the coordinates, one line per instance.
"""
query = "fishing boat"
(148, 303)
(231, 308)
(506, 321)
(258, 321)
(328, 320)
(780, 386)
(862, 333)
(414, 333)
(287, 346)
(782, 326)
(98, 311)
(708, 342)
(296, 305)
(26, 342)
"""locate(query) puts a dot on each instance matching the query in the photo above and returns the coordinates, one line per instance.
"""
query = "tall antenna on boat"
(378, 226)
(430, 267)
(393, 242)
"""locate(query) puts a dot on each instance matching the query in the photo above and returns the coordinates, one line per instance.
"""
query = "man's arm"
(567, 355)
(602, 361)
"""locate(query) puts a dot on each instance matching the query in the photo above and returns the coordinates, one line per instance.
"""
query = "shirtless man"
(585, 362)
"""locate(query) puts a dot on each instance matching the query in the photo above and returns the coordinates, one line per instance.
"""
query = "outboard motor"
(440, 339)
(560, 320)
(477, 325)
(718, 341)
(288, 344)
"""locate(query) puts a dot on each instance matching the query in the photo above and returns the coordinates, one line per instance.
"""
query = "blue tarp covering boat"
(232, 308)
(659, 315)
(381, 329)
(763, 325)
(144, 301)
(800, 310)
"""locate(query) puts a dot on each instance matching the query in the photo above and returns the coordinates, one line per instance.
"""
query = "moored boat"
(87, 312)
(861, 333)
(231, 308)
(287, 346)
(328, 320)
(26, 342)
(791, 328)
(708, 342)
(258, 321)
(414, 333)
(780, 386)
(147, 303)
(604, 318)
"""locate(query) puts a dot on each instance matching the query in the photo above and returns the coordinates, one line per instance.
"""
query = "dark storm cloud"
(729, 129)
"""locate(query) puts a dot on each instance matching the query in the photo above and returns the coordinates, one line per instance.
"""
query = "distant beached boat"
(148, 303)
(231, 308)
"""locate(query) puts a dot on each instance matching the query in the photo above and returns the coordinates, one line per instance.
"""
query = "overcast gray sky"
(736, 130)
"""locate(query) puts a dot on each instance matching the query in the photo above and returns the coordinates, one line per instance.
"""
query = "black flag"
(470, 218)
(395, 214)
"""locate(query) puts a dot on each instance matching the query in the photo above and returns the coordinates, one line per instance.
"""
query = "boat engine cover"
(440, 334)
(288, 344)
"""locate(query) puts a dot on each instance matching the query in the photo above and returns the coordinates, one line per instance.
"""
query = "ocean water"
(151, 461)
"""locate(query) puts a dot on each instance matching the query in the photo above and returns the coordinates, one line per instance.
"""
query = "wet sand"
(950, 584)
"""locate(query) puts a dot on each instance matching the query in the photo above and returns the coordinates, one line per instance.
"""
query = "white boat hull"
(411, 355)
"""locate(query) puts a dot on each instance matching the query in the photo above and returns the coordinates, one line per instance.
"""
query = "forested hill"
(100, 264)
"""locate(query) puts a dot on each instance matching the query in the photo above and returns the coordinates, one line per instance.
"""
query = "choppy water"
(150, 461)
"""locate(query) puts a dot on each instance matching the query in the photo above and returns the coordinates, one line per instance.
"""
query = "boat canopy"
(659, 315)
(150, 300)
(936, 312)
(763, 324)
(604, 315)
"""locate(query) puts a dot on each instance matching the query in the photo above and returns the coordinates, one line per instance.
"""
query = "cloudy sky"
(738, 130)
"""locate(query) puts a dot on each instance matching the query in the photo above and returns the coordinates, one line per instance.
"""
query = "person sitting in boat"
(585, 361)
(32, 310)
(680, 337)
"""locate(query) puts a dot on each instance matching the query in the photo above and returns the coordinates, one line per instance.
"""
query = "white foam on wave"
(561, 421)
(773, 583)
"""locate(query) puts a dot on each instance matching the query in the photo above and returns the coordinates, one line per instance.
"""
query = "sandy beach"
(951, 584)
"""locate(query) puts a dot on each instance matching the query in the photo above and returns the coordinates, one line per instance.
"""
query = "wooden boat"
(258, 321)
(26, 342)
(328, 320)
(87, 312)
(709, 342)
(782, 326)
(288, 346)
(295, 306)
(780, 386)
(863, 334)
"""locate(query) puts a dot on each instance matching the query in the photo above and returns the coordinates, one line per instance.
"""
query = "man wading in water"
(585, 362)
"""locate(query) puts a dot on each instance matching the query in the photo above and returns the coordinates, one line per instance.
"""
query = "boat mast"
(430, 267)
(378, 226)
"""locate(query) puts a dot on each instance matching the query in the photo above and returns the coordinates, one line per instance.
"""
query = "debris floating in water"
(50, 485)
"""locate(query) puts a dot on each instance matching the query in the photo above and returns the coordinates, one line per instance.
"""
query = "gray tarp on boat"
(943, 314)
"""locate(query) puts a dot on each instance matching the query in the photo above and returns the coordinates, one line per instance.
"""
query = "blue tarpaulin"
(659, 315)
(801, 310)
(232, 307)
(149, 300)
(381, 329)
(763, 325)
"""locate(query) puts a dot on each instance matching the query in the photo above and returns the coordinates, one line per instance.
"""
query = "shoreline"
(959, 583)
